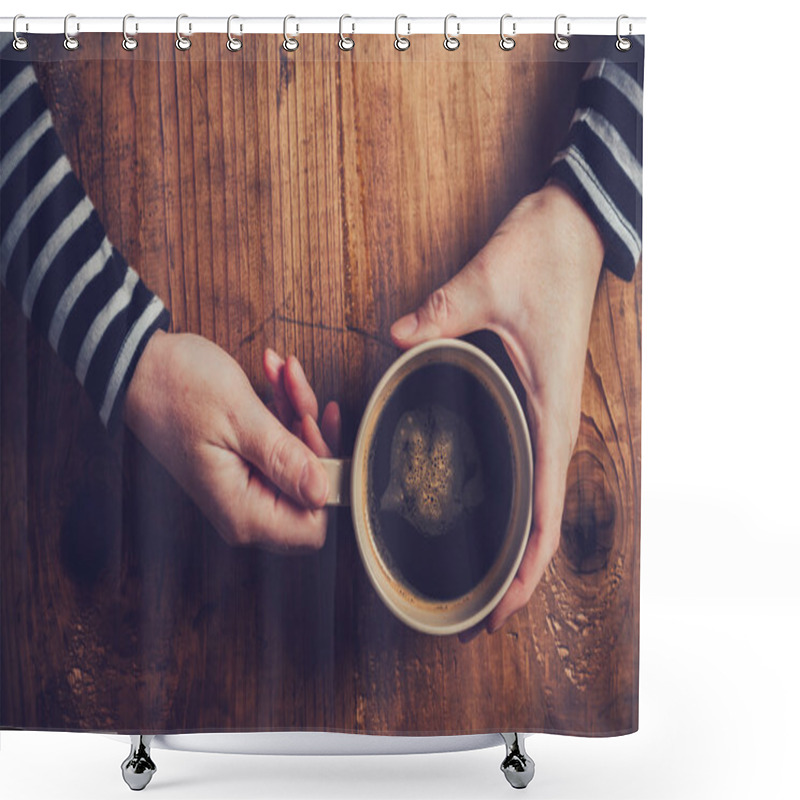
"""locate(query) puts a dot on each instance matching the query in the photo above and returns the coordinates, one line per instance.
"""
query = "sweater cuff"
(131, 344)
(600, 162)
(622, 247)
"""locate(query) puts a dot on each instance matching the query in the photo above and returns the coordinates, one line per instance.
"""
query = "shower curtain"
(210, 257)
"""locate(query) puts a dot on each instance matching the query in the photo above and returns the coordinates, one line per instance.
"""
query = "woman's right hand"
(258, 482)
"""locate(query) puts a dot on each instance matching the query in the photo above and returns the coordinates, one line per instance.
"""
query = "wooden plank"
(302, 202)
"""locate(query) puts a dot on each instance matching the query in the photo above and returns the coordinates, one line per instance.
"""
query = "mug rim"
(517, 531)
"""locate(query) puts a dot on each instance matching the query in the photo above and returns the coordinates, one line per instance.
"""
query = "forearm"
(55, 258)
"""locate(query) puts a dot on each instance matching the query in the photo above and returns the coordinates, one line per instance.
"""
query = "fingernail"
(314, 484)
(312, 422)
(273, 359)
(404, 327)
(294, 366)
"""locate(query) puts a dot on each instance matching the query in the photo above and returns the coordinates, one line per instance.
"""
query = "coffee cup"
(439, 486)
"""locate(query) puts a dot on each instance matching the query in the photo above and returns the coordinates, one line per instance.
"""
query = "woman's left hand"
(533, 284)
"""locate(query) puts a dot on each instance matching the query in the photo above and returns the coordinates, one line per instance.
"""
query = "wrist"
(576, 228)
(145, 377)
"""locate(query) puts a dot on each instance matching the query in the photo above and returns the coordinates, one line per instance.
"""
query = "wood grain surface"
(301, 201)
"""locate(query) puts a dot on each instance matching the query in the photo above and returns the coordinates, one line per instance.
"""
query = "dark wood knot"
(590, 515)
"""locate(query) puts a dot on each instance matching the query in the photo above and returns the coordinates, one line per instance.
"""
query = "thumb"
(459, 307)
(283, 458)
(549, 488)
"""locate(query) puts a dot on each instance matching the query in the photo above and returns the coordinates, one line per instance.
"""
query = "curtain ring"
(181, 41)
(507, 42)
(128, 42)
(290, 43)
(20, 42)
(451, 42)
(400, 42)
(234, 42)
(345, 42)
(70, 42)
(560, 43)
(623, 44)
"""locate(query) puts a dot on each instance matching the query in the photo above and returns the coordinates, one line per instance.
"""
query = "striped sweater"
(96, 312)
(601, 161)
(55, 258)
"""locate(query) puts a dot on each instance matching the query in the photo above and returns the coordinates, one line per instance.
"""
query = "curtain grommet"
(623, 44)
(451, 42)
(507, 42)
(20, 43)
(234, 43)
(182, 42)
(70, 42)
(290, 43)
(401, 43)
(346, 43)
(128, 42)
(560, 42)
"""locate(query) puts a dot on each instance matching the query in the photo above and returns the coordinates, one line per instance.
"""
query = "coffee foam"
(436, 473)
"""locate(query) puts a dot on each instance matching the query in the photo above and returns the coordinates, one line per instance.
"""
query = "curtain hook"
(70, 42)
(20, 42)
(345, 42)
(622, 43)
(507, 42)
(290, 43)
(401, 42)
(128, 42)
(182, 42)
(560, 42)
(451, 42)
(234, 42)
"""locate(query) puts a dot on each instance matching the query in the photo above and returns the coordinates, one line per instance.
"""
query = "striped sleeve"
(601, 160)
(55, 258)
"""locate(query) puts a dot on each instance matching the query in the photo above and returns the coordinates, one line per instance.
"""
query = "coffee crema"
(440, 482)
(435, 472)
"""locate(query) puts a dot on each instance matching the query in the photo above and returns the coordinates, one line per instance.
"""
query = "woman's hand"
(257, 482)
(533, 284)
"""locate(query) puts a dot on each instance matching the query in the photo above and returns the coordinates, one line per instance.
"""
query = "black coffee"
(440, 481)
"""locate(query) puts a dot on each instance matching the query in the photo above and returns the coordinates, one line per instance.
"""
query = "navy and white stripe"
(55, 258)
(601, 161)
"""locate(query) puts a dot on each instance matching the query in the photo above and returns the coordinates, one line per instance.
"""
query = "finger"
(298, 389)
(276, 523)
(312, 436)
(282, 458)
(331, 427)
(550, 475)
(468, 635)
(273, 369)
(459, 307)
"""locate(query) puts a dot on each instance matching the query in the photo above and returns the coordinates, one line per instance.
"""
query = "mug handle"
(338, 471)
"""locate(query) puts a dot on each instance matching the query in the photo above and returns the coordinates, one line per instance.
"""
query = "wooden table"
(301, 201)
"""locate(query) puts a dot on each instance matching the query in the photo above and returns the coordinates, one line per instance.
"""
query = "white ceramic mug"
(349, 481)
